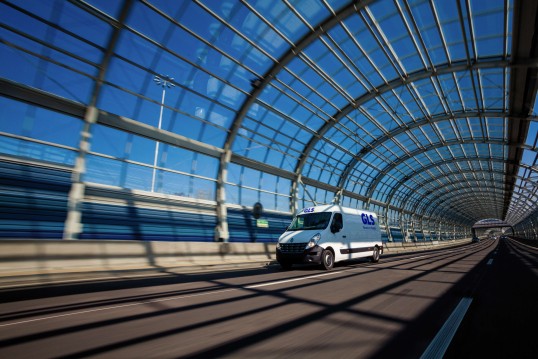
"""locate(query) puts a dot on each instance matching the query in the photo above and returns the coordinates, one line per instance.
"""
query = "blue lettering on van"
(367, 219)
(309, 210)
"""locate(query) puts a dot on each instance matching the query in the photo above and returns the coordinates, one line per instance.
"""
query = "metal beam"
(435, 179)
(416, 124)
(415, 204)
(440, 163)
(484, 195)
(443, 190)
(415, 153)
(258, 87)
(73, 222)
(523, 87)
(40, 98)
(392, 85)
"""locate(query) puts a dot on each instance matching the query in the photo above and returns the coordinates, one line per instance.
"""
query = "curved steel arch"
(443, 162)
(491, 223)
(444, 175)
(445, 197)
(527, 209)
(416, 202)
(530, 205)
(442, 197)
(391, 85)
(440, 163)
(463, 197)
(416, 124)
(526, 180)
(470, 220)
(331, 121)
(419, 151)
(309, 38)
(258, 87)
(443, 190)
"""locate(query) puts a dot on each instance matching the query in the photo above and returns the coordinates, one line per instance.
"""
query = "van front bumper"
(312, 255)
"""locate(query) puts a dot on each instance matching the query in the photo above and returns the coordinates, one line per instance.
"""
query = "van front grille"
(292, 247)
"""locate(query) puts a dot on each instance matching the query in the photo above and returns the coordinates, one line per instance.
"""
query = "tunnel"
(153, 153)
(153, 126)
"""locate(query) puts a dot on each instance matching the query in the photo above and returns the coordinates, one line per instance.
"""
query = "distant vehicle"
(475, 239)
(329, 234)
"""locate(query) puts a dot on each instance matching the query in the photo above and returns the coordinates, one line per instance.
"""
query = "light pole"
(164, 82)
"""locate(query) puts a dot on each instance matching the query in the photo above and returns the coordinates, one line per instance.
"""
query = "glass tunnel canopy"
(423, 111)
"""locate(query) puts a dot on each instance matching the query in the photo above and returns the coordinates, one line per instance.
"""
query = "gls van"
(329, 234)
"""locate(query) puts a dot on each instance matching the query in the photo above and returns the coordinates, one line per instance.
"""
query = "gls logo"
(367, 219)
(309, 210)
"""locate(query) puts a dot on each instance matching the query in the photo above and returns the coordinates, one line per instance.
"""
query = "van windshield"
(310, 221)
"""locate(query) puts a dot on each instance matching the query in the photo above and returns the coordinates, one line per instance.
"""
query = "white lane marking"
(291, 280)
(439, 344)
(180, 297)
(490, 261)
(81, 280)
(168, 299)
(118, 306)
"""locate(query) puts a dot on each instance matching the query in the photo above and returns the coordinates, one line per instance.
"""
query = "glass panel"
(278, 15)
(451, 93)
(425, 18)
(451, 29)
(488, 20)
(394, 30)
(492, 82)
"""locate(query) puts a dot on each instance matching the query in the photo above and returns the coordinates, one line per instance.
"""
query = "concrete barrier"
(33, 256)
(19, 257)
(403, 247)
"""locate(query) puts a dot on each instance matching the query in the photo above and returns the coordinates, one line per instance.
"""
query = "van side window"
(337, 221)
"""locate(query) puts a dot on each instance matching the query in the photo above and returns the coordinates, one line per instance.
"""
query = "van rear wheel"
(327, 259)
(375, 255)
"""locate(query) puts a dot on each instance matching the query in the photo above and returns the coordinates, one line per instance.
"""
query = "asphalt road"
(391, 309)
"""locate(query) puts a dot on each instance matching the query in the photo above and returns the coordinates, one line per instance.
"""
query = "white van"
(329, 234)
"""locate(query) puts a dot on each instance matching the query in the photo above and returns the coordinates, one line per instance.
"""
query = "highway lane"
(392, 308)
(501, 322)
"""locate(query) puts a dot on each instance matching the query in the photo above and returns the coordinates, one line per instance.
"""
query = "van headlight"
(313, 241)
(278, 245)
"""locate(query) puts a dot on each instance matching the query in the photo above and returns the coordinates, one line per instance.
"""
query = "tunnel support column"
(73, 222)
(222, 233)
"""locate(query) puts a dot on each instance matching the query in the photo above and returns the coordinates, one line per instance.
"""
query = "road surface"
(391, 309)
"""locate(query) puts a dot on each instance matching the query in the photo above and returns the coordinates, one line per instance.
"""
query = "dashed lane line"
(439, 344)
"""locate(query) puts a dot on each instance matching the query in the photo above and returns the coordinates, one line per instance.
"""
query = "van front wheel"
(375, 255)
(327, 259)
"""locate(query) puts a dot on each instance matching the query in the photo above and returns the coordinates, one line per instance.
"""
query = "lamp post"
(164, 82)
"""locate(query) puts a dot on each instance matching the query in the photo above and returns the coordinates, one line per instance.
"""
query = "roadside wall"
(47, 256)
(403, 247)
